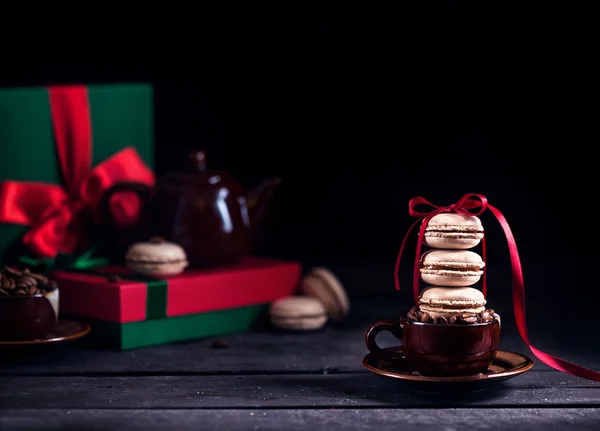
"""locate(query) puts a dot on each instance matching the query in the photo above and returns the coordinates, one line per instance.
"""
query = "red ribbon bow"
(54, 212)
(479, 203)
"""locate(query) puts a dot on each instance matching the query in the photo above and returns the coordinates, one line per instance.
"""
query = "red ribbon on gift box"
(476, 204)
(53, 212)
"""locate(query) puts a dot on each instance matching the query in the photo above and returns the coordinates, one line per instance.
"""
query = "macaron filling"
(299, 316)
(453, 234)
(457, 303)
(453, 228)
(153, 262)
(438, 267)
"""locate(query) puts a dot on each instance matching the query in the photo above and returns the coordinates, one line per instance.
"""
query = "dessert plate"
(64, 330)
(506, 366)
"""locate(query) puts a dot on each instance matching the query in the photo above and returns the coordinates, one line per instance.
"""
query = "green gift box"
(120, 116)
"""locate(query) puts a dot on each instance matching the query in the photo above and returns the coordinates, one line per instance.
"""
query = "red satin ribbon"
(478, 204)
(53, 212)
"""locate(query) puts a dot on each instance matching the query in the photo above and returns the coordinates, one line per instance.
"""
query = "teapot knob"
(198, 158)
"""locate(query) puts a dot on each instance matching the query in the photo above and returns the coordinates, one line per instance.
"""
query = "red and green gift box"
(129, 311)
(62, 146)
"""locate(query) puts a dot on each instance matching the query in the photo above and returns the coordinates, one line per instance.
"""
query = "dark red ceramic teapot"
(206, 212)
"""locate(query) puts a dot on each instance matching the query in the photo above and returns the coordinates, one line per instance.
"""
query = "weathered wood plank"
(324, 390)
(294, 419)
(340, 349)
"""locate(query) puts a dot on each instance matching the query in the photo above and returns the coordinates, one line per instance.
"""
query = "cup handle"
(395, 328)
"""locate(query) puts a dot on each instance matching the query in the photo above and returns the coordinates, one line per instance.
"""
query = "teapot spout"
(257, 204)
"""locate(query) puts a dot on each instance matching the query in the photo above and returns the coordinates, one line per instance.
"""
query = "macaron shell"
(455, 222)
(316, 288)
(321, 283)
(299, 323)
(449, 301)
(152, 251)
(452, 296)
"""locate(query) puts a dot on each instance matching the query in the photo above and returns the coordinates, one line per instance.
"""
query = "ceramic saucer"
(64, 330)
(506, 366)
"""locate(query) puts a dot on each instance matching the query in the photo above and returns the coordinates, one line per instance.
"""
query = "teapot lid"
(198, 159)
(195, 173)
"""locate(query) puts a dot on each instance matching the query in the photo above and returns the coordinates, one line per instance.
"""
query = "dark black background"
(357, 114)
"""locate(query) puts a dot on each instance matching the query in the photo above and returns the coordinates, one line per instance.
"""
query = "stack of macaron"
(451, 269)
(320, 297)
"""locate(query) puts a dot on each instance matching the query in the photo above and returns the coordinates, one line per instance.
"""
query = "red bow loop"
(57, 231)
(53, 213)
(470, 201)
(414, 202)
(126, 165)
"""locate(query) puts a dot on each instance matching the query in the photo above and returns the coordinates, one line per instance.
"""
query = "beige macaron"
(453, 231)
(449, 301)
(156, 258)
(451, 267)
(322, 284)
(298, 313)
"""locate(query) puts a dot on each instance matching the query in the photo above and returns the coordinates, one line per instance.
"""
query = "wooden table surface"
(282, 381)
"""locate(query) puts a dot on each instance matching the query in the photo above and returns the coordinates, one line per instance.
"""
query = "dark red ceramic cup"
(439, 350)
(27, 317)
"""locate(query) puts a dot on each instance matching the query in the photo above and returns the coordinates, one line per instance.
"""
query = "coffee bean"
(441, 320)
(425, 317)
(414, 309)
(28, 281)
(464, 318)
(491, 311)
(23, 282)
(411, 316)
(41, 278)
(12, 271)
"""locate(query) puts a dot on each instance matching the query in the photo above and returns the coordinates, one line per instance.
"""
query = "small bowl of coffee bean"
(29, 304)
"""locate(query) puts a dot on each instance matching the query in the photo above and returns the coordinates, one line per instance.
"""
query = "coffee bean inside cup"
(23, 282)
(416, 315)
